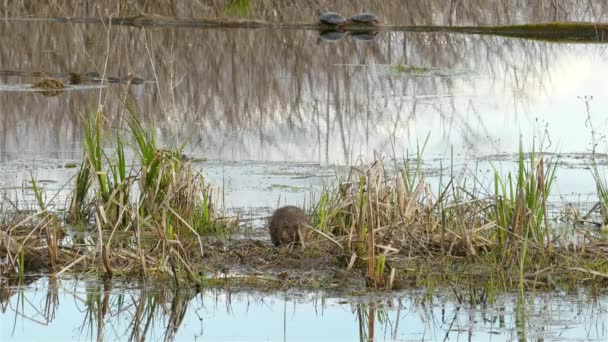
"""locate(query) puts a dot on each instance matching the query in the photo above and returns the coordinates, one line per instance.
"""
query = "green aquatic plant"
(205, 221)
(79, 207)
(400, 68)
(37, 194)
(49, 84)
(173, 201)
(385, 215)
(101, 176)
(238, 8)
(520, 210)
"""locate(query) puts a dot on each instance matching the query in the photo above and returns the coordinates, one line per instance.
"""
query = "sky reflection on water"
(70, 310)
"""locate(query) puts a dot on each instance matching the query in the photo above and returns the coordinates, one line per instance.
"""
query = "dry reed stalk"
(140, 251)
(371, 242)
(51, 232)
(388, 248)
(101, 246)
(69, 266)
(592, 272)
(117, 224)
(351, 262)
(541, 177)
(200, 241)
(184, 263)
(326, 236)
(391, 279)
(11, 249)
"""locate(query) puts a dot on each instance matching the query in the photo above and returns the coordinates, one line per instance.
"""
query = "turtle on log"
(364, 18)
(331, 18)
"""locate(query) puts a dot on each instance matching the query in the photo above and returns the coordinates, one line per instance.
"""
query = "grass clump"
(49, 83)
(400, 68)
(146, 207)
(169, 190)
(50, 86)
(147, 211)
(520, 208)
(391, 224)
(139, 208)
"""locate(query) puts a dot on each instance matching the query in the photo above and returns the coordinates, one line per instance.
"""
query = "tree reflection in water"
(87, 309)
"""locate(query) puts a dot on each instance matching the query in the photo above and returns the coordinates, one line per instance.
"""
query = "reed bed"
(146, 218)
(137, 209)
(394, 226)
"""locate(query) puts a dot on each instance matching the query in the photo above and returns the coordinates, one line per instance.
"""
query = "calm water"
(283, 96)
(273, 112)
(86, 310)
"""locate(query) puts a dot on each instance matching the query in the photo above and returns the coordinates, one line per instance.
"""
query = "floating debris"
(50, 86)
(49, 83)
(75, 78)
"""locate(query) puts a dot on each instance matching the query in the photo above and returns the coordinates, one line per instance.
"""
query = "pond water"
(282, 95)
(276, 114)
(72, 309)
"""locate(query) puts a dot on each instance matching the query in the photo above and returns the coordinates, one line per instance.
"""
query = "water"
(279, 95)
(275, 114)
(72, 309)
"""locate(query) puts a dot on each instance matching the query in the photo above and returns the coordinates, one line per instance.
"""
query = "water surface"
(274, 115)
(86, 310)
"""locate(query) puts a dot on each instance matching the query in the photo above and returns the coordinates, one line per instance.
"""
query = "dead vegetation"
(50, 86)
(384, 227)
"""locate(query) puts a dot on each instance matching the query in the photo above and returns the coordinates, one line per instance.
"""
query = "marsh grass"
(385, 217)
(49, 83)
(238, 8)
(156, 216)
(149, 217)
(601, 184)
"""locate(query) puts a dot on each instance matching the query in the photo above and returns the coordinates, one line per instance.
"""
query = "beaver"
(287, 225)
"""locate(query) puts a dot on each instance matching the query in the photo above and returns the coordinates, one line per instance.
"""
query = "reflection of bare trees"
(107, 314)
(268, 94)
(460, 12)
(151, 313)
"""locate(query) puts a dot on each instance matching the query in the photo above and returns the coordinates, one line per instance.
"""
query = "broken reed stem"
(69, 266)
(329, 238)
(371, 249)
(51, 231)
(200, 241)
(101, 246)
(140, 251)
(360, 242)
(541, 177)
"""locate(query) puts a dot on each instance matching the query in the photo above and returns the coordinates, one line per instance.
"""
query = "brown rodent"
(287, 225)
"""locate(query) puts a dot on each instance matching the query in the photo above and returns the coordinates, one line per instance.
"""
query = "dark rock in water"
(136, 80)
(50, 86)
(366, 36)
(75, 78)
(92, 74)
(287, 226)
